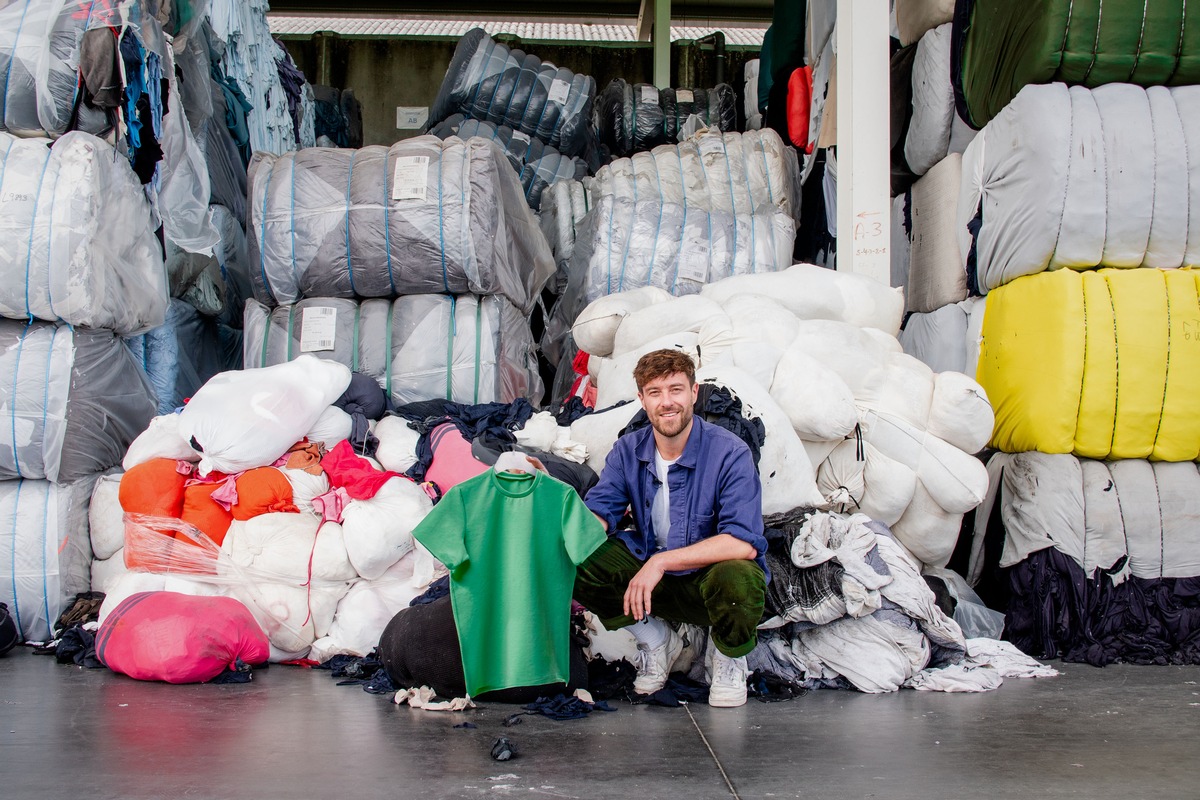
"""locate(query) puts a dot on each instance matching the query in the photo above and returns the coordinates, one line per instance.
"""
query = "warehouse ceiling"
(689, 10)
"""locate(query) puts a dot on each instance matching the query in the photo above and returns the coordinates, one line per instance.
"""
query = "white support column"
(662, 43)
(863, 165)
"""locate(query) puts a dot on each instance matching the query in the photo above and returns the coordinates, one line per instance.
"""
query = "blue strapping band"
(441, 221)
(12, 414)
(33, 226)
(262, 239)
(387, 234)
(349, 262)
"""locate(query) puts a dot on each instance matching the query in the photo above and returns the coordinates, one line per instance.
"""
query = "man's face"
(668, 402)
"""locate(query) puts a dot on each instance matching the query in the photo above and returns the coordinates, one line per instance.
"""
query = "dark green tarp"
(1000, 46)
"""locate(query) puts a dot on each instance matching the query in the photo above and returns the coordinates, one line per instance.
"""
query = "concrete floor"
(1119, 732)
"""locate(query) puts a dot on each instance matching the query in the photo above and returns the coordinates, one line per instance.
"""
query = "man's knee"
(739, 582)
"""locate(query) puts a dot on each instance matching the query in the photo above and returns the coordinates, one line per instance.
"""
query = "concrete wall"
(399, 71)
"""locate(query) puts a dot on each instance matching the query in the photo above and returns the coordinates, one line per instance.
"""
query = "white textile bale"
(305, 487)
(956, 481)
(249, 418)
(126, 584)
(1042, 506)
(595, 329)
(598, 432)
(938, 338)
(960, 413)
(161, 439)
(873, 484)
(757, 318)
(397, 449)
(366, 610)
(281, 547)
(816, 400)
(677, 315)
(819, 451)
(106, 518)
(539, 432)
(614, 379)
(788, 477)
(937, 275)
(927, 530)
(756, 359)
(105, 573)
(904, 390)
(812, 292)
(378, 532)
(853, 353)
(292, 617)
(1104, 528)
(333, 426)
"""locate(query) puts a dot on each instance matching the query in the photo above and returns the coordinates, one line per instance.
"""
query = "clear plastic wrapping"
(635, 117)
(421, 347)
(76, 239)
(71, 401)
(488, 81)
(423, 216)
(538, 164)
(564, 205)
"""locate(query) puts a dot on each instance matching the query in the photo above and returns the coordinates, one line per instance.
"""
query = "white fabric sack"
(757, 318)
(247, 419)
(935, 130)
(161, 439)
(901, 387)
(926, 530)
(816, 400)
(397, 450)
(960, 413)
(614, 378)
(305, 486)
(874, 484)
(127, 583)
(598, 431)
(333, 426)
(788, 477)
(281, 546)
(677, 315)
(812, 292)
(539, 432)
(595, 329)
(937, 275)
(106, 518)
(106, 573)
(938, 338)
(378, 532)
(853, 353)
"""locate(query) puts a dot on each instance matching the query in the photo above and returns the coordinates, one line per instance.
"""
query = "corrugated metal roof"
(306, 25)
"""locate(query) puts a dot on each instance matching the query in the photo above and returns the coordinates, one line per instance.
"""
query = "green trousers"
(727, 596)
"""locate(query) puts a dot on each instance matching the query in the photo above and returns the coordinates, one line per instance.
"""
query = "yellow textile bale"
(1100, 364)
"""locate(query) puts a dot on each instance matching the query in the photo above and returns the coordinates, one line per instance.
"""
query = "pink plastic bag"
(177, 638)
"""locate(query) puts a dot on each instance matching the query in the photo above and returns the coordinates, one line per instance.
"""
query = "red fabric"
(263, 491)
(154, 488)
(353, 473)
(177, 638)
(452, 460)
(204, 513)
(799, 103)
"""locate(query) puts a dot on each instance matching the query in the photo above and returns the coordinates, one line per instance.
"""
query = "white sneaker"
(653, 666)
(726, 679)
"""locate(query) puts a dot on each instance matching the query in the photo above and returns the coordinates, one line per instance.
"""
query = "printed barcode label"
(523, 138)
(693, 261)
(684, 96)
(649, 95)
(559, 90)
(318, 329)
(411, 178)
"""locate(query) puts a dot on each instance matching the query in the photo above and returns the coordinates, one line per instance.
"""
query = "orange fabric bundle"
(263, 491)
(154, 488)
(204, 513)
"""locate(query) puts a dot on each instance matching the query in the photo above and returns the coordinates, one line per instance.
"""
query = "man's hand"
(637, 595)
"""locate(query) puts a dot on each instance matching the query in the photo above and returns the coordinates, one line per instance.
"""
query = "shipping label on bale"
(559, 90)
(693, 261)
(411, 118)
(712, 145)
(649, 96)
(318, 329)
(684, 96)
(521, 138)
(411, 178)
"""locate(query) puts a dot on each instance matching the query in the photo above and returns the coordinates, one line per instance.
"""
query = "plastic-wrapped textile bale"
(538, 164)
(488, 81)
(1099, 364)
(76, 239)
(936, 129)
(1096, 512)
(184, 352)
(421, 347)
(1000, 47)
(738, 173)
(564, 204)
(915, 17)
(1078, 178)
(936, 275)
(635, 117)
(233, 263)
(946, 339)
(45, 554)
(751, 108)
(39, 56)
(72, 401)
(623, 244)
(423, 216)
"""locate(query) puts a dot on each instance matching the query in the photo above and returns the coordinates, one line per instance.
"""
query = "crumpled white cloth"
(847, 540)
(1006, 657)
(566, 447)
(423, 698)
(988, 663)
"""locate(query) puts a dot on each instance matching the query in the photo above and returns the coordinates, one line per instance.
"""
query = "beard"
(672, 426)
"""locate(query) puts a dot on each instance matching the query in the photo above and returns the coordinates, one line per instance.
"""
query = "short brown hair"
(660, 363)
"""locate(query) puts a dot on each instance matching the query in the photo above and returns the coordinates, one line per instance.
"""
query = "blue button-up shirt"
(714, 489)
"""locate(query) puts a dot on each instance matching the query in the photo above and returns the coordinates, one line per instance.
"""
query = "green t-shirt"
(511, 542)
